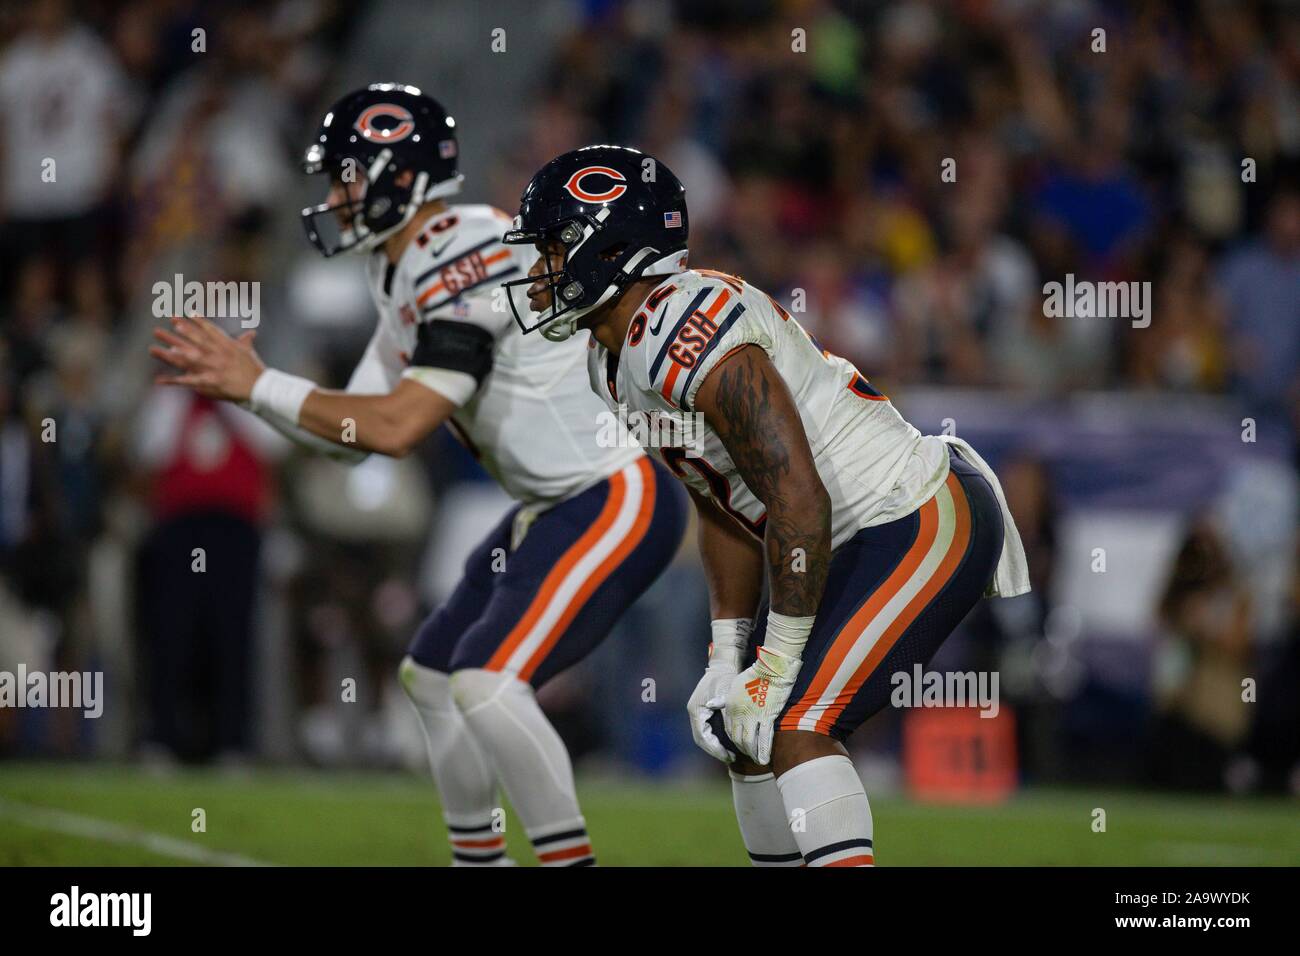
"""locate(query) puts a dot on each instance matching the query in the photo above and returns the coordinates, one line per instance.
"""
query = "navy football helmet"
(374, 137)
(617, 213)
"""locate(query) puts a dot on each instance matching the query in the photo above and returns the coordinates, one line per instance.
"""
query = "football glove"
(759, 693)
(730, 640)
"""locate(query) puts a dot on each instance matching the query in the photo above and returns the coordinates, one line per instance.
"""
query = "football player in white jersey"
(876, 540)
(595, 524)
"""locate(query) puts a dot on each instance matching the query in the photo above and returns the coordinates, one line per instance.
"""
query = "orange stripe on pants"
(603, 571)
(942, 574)
(848, 635)
(603, 522)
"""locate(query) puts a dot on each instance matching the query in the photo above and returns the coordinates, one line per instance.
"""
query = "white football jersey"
(875, 466)
(524, 410)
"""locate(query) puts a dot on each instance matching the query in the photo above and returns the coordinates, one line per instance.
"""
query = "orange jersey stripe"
(718, 303)
(675, 367)
(854, 861)
(617, 491)
(432, 290)
(438, 286)
(603, 571)
(670, 380)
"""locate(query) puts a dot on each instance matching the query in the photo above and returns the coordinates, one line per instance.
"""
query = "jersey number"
(719, 489)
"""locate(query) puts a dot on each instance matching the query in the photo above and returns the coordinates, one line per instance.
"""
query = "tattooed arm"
(747, 402)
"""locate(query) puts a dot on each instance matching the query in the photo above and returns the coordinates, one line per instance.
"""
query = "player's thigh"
(437, 636)
(579, 567)
(940, 560)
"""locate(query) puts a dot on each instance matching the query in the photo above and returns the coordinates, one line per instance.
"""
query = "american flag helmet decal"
(672, 220)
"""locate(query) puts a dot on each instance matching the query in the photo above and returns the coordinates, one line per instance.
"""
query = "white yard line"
(91, 828)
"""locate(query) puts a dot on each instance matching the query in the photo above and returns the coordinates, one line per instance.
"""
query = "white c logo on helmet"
(404, 126)
(574, 185)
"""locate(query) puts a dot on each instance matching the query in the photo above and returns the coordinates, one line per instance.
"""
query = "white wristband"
(280, 393)
(730, 640)
(786, 634)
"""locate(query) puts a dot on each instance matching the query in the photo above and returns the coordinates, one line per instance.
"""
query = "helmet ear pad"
(391, 199)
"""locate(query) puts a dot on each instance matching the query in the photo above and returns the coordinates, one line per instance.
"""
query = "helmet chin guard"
(560, 330)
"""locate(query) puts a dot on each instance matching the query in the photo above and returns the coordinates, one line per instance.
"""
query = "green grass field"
(96, 815)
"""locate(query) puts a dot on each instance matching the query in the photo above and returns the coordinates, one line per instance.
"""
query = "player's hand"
(207, 359)
(755, 699)
(730, 639)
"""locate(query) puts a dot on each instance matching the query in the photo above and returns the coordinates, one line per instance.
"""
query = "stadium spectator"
(1185, 346)
(1201, 721)
(210, 488)
(65, 108)
(1261, 283)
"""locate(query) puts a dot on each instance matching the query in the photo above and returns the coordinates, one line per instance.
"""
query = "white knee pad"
(473, 687)
(528, 755)
(428, 689)
(460, 769)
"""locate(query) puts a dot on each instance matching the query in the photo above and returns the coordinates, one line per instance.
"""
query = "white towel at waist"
(1012, 574)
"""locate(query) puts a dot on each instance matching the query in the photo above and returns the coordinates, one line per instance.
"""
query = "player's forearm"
(797, 544)
(349, 454)
(390, 424)
(749, 404)
(733, 564)
(371, 422)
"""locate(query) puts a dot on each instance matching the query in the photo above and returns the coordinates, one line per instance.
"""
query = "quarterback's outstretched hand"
(756, 698)
(207, 359)
(730, 639)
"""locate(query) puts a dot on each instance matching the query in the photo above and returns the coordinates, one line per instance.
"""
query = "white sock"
(530, 761)
(828, 812)
(461, 771)
(763, 825)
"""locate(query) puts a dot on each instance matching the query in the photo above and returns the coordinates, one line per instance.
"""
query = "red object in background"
(953, 755)
(211, 467)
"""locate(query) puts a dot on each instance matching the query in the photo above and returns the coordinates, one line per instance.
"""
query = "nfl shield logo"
(672, 220)
(447, 148)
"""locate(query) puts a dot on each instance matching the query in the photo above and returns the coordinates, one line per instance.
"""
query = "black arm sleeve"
(459, 346)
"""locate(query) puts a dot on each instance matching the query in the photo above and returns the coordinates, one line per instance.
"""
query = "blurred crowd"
(905, 176)
(822, 172)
